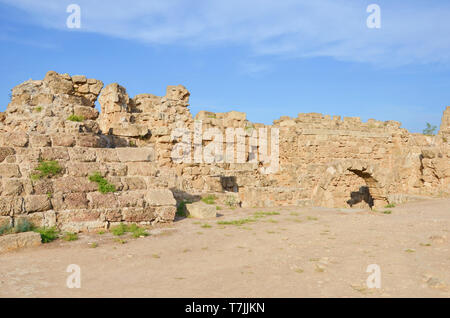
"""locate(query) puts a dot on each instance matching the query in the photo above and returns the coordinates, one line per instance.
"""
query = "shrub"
(38, 109)
(47, 169)
(390, 205)
(75, 118)
(5, 229)
(103, 185)
(430, 130)
(209, 199)
(48, 234)
(23, 225)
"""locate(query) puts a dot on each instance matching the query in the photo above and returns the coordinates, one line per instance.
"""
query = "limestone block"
(11, 242)
(12, 187)
(86, 111)
(166, 213)
(5, 152)
(201, 210)
(75, 201)
(138, 214)
(102, 200)
(37, 203)
(8, 170)
(74, 184)
(178, 92)
(135, 154)
(63, 140)
(79, 79)
(158, 197)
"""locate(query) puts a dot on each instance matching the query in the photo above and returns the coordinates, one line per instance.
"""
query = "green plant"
(69, 236)
(93, 245)
(103, 185)
(135, 230)
(120, 241)
(218, 208)
(38, 109)
(206, 226)
(140, 232)
(132, 143)
(212, 116)
(209, 199)
(236, 222)
(5, 229)
(390, 205)
(23, 225)
(263, 214)
(430, 130)
(387, 212)
(75, 118)
(444, 139)
(181, 208)
(47, 169)
(48, 234)
(119, 230)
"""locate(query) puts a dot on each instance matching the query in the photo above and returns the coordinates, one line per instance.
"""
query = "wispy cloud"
(411, 32)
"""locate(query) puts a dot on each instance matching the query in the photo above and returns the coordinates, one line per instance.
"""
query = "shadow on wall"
(359, 196)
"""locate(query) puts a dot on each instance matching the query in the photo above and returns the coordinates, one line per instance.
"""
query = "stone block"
(11, 242)
(201, 210)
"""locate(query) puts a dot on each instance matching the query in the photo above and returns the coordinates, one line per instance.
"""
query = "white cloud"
(411, 32)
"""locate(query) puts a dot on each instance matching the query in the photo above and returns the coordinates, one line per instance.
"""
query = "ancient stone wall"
(148, 147)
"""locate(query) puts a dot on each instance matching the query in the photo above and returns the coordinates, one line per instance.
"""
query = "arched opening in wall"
(366, 194)
(353, 188)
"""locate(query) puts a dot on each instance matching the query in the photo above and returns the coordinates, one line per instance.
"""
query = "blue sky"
(265, 58)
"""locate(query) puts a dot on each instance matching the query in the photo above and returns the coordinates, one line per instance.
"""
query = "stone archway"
(345, 180)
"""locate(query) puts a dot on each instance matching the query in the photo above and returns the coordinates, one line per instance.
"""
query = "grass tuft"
(48, 234)
(209, 199)
(75, 118)
(70, 236)
(47, 169)
(103, 185)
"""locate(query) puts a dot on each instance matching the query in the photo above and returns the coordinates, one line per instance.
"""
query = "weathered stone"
(100, 200)
(157, 197)
(138, 214)
(37, 203)
(40, 141)
(75, 201)
(86, 112)
(135, 154)
(12, 187)
(74, 184)
(166, 213)
(5, 152)
(79, 79)
(201, 210)
(63, 140)
(14, 241)
(9, 170)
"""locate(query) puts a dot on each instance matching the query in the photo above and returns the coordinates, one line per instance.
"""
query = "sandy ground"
(302, 252)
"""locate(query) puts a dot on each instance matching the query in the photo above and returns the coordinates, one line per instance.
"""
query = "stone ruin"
(323, 160)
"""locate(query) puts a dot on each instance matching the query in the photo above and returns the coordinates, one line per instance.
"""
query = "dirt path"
(301, 252)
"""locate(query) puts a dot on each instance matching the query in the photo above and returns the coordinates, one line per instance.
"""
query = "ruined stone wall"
(140, 145)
